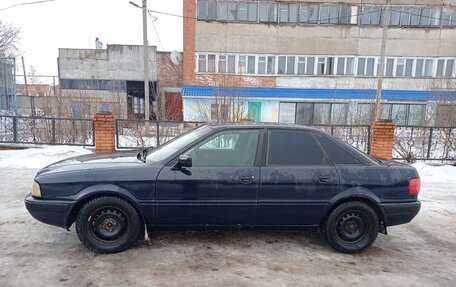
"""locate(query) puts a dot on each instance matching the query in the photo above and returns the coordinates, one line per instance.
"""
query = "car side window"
(227, 148)
(337, 153)
(288, 147)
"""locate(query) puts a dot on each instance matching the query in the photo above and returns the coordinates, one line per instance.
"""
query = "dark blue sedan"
(228, 175)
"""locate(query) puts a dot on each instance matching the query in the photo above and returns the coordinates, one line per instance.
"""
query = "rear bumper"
(400, 213)
(53, 212)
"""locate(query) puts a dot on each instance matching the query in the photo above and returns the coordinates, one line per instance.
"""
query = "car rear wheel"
(351, 227)
(108, 224)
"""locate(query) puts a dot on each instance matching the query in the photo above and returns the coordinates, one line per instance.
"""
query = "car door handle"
(246, 179)
(323, 179)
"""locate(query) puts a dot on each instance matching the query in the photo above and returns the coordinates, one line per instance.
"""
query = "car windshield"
(171, 147)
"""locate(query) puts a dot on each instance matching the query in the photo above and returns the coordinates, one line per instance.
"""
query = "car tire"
(351, 227)
(108, 224)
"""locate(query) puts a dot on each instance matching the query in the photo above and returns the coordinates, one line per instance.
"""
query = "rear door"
(297, 179)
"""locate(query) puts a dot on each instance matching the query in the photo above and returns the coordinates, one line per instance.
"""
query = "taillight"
(414, 186)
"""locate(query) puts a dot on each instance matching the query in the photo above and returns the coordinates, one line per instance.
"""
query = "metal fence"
(38, 130)
(411, 143)
(140, 133)
(416, 143)
(355, 135)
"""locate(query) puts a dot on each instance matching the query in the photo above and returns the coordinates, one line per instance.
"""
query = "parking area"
(422, 253)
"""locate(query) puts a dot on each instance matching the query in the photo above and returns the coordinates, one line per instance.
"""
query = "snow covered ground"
(421, 253)
(38, 157)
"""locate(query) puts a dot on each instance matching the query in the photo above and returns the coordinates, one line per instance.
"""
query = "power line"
(156, 31)
(26, 3)
(321, 19)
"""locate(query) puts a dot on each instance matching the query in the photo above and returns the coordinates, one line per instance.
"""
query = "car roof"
(259, 125)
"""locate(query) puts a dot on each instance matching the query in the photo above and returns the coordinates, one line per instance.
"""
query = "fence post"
(429, 143)
(383, 139)
(53, 130)
(104, 124)
(14, 129)
(158, 134)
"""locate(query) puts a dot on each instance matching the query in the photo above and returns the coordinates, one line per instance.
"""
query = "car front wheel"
(108, 224)
(351, 227)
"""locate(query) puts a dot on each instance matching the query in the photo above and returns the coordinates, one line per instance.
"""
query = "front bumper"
(400, 213)
(53, 212)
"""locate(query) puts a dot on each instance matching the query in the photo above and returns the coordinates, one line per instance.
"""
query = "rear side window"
(337, 153)
(294, 148)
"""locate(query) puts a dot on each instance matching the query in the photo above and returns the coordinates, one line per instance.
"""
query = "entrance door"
(255, 111)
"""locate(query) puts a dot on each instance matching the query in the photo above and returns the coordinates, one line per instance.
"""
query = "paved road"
(422, 253)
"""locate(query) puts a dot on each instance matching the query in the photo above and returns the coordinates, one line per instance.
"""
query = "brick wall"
(189, 41)
(104, 124)
(383, 139)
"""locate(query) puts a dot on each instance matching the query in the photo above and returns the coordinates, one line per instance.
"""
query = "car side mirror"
(183, 161)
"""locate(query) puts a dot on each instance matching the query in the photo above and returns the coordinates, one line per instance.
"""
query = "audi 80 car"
(228, 175)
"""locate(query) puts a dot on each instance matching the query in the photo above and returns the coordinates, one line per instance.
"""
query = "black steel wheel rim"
(352, 226)
(108, 224)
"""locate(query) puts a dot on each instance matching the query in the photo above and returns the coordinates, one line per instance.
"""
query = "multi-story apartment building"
(317, 62)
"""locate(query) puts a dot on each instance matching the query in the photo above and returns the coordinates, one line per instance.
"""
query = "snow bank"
(38, 157)
(434, 173)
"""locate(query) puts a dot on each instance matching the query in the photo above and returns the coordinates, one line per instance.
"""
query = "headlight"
(36, 191)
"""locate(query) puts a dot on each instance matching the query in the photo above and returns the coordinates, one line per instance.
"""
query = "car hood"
(93, 161)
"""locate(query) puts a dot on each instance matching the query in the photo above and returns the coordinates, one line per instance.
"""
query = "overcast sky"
(76, 23)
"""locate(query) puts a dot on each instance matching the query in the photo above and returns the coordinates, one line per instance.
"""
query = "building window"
(339, 113)
(400, 66)
(389, 67)
(304, 113)
(286, 65)
(261, 65)
(448, 17)
(310, 66)
(348, 14)
(366, 66)
(322, 113)
(321, 66)
(370, 15)
(329, 14)
(283, 13)
(248, 11)
(268, 12)
(202, 63)
(219, 112)
(301, 65)
(221, 64)
(266, 64)
(242, 64)
(308, 13)
(207, 10)
(227, 11)
(231, 64)
(211, 63)
(395, 16)
(251, 64)
(408, 67)
(287, 113)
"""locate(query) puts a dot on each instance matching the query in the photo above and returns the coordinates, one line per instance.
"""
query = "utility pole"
(381, 63)
(146, 63)
(32, 100)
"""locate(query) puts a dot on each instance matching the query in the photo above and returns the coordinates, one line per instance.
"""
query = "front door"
(255, 111)
(220, 188)
(297, 180)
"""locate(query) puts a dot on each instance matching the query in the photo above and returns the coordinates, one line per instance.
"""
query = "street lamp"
(146, 58)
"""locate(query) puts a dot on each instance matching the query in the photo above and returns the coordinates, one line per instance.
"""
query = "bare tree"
(9, 39)
(226, 104)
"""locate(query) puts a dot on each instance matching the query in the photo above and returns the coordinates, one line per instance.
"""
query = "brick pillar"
(189, 41)
(383, 139)
(104, 124)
